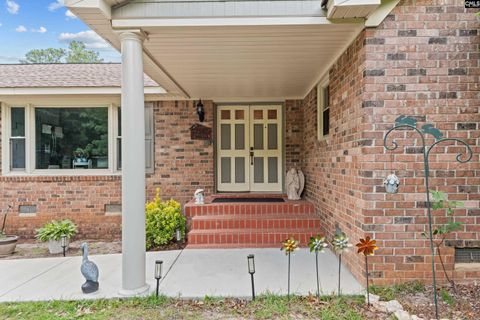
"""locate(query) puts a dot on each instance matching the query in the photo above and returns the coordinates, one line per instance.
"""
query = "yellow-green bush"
(162, 219)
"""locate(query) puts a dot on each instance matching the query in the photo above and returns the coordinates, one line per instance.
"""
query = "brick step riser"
(273, 239)
(193, 210)
(269, 224)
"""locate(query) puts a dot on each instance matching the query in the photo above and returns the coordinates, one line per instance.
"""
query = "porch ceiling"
(229, 58)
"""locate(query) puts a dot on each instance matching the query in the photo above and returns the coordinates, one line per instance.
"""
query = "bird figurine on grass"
(89, 270)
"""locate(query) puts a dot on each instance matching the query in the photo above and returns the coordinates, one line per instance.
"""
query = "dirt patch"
(461, 303)
(29, 249)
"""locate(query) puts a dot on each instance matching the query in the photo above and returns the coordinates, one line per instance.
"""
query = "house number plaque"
(200, 132)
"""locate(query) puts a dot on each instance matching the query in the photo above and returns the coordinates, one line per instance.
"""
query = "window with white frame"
(323, 108)
(67, 140)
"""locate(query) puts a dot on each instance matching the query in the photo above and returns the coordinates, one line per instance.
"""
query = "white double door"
(249, 148)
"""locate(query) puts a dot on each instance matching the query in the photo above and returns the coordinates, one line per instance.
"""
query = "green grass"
(447, 297)
(264, 307)
(387, 293)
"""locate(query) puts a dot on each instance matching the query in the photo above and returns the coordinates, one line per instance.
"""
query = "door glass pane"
(239, 114)
(18, 122)
(258, 170)
(258, 136)
(225, 137)
(272, 136)
(240, 170)
(272, 169)
(17, 152)
(326, 122)
(71, 138)
(226, 165)
(258, 114)
(239, 136)
(272, 114)
(225, 114)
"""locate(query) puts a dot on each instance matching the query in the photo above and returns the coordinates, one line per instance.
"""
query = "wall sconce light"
(63, 243)
(251, 270)
(200, 111)
(158, 273)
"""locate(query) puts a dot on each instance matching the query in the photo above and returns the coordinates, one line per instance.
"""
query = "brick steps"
(253, 221)
(247, 237)
(250, 224)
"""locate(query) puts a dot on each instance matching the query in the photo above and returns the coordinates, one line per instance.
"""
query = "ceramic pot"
(7, 245)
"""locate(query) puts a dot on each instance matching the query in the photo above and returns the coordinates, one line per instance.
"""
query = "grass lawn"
(264, 307)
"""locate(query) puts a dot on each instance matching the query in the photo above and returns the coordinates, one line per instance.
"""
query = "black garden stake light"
(63, 241)
(251, 270)
(158, 273)
(405, 122)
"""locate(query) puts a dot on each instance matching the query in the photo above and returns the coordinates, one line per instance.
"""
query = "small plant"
(439, 202)
(163, 218)
(367, 246)
(2, 231)
(340, 245)
(447, 297)
(317, 244)
(80, 153)
(289, 246)
(55, 229)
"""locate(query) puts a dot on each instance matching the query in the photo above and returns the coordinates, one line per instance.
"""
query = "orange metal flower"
(367, 246)
(289, 245)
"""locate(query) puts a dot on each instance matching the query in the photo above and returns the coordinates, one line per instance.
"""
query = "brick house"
(284, 84)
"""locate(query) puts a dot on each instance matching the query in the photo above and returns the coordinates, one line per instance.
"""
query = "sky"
(40, 24)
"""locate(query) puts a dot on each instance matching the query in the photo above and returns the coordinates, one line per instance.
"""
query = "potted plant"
(7, 242)
(52, 233)
(80, 156)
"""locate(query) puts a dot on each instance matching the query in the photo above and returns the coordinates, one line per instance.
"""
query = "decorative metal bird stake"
(90, 271)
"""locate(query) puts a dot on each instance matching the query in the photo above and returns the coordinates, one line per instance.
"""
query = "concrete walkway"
(191, 273)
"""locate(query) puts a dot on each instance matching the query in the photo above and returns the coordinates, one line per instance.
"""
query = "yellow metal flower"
(289, 245)
(367, 246)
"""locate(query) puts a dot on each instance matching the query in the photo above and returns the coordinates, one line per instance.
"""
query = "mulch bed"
(461, 303)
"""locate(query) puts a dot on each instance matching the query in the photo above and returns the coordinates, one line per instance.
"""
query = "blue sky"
(39, 24)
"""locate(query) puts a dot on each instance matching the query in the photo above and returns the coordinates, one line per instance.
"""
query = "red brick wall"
(423, 60)
(181, 166)
(293, 133)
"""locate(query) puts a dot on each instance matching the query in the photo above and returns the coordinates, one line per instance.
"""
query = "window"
(67, 140)
(71, 138)
(323, 109)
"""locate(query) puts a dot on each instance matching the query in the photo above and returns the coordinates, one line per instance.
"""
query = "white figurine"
(199, 196)
(295, 182)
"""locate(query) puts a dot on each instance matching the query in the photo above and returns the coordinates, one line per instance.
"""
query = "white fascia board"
(99, 6)
(73, 91)
(381, 13)
(212, 22)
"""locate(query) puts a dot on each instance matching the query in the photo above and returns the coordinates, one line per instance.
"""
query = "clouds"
(21, 28)
(69, 14)
(90, 38)
(56, 5)
(40, 30)
(12, 6)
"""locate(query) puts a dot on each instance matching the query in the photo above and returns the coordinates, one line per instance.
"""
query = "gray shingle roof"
(63, 75)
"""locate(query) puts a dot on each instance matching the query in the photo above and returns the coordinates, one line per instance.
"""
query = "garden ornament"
(199, 196)
(89, 270)
(295, 182)
(391, 183)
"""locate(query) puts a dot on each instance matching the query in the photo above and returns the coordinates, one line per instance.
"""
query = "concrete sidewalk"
(191, 273)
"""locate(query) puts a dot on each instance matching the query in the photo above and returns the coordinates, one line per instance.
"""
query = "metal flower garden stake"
(289, 245)
(340, 244)
(317, 244)
(367, 246)
(405, 122)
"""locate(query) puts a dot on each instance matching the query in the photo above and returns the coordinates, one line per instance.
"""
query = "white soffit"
(344, 9)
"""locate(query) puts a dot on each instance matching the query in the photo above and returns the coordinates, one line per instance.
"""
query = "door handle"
(251, 156)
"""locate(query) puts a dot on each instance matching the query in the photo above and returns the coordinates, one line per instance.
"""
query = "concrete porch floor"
(190, 273)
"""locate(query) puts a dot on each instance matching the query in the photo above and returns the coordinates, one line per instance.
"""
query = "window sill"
(60, 176)
(63, 173)
(467, 266)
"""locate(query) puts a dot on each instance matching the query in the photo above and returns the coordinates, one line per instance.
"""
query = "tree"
(76, 53)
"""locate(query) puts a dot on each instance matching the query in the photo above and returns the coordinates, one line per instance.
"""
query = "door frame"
(216, 106)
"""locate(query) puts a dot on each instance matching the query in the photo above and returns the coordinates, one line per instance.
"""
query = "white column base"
(139, 292)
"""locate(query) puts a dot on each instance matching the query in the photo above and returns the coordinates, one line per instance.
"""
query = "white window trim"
(30, 144)
(324, 82)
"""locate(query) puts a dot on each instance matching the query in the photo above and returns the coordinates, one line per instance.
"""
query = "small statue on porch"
(295, 182)
(89, 270)
(199, 196)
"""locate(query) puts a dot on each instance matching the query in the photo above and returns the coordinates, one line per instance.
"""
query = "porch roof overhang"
(229, 50)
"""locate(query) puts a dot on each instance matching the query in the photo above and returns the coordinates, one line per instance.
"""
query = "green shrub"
(162, 219)
(55, 229)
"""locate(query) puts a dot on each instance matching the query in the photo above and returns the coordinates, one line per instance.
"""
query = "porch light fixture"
(63, 243)
(158, 273)
(200, 111)
(251, 270)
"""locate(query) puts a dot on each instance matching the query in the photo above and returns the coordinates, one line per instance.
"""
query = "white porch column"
(133, 165)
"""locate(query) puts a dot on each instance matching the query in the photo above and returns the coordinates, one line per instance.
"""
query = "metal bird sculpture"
(430, 129)
(90, 271)
(405, 120)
